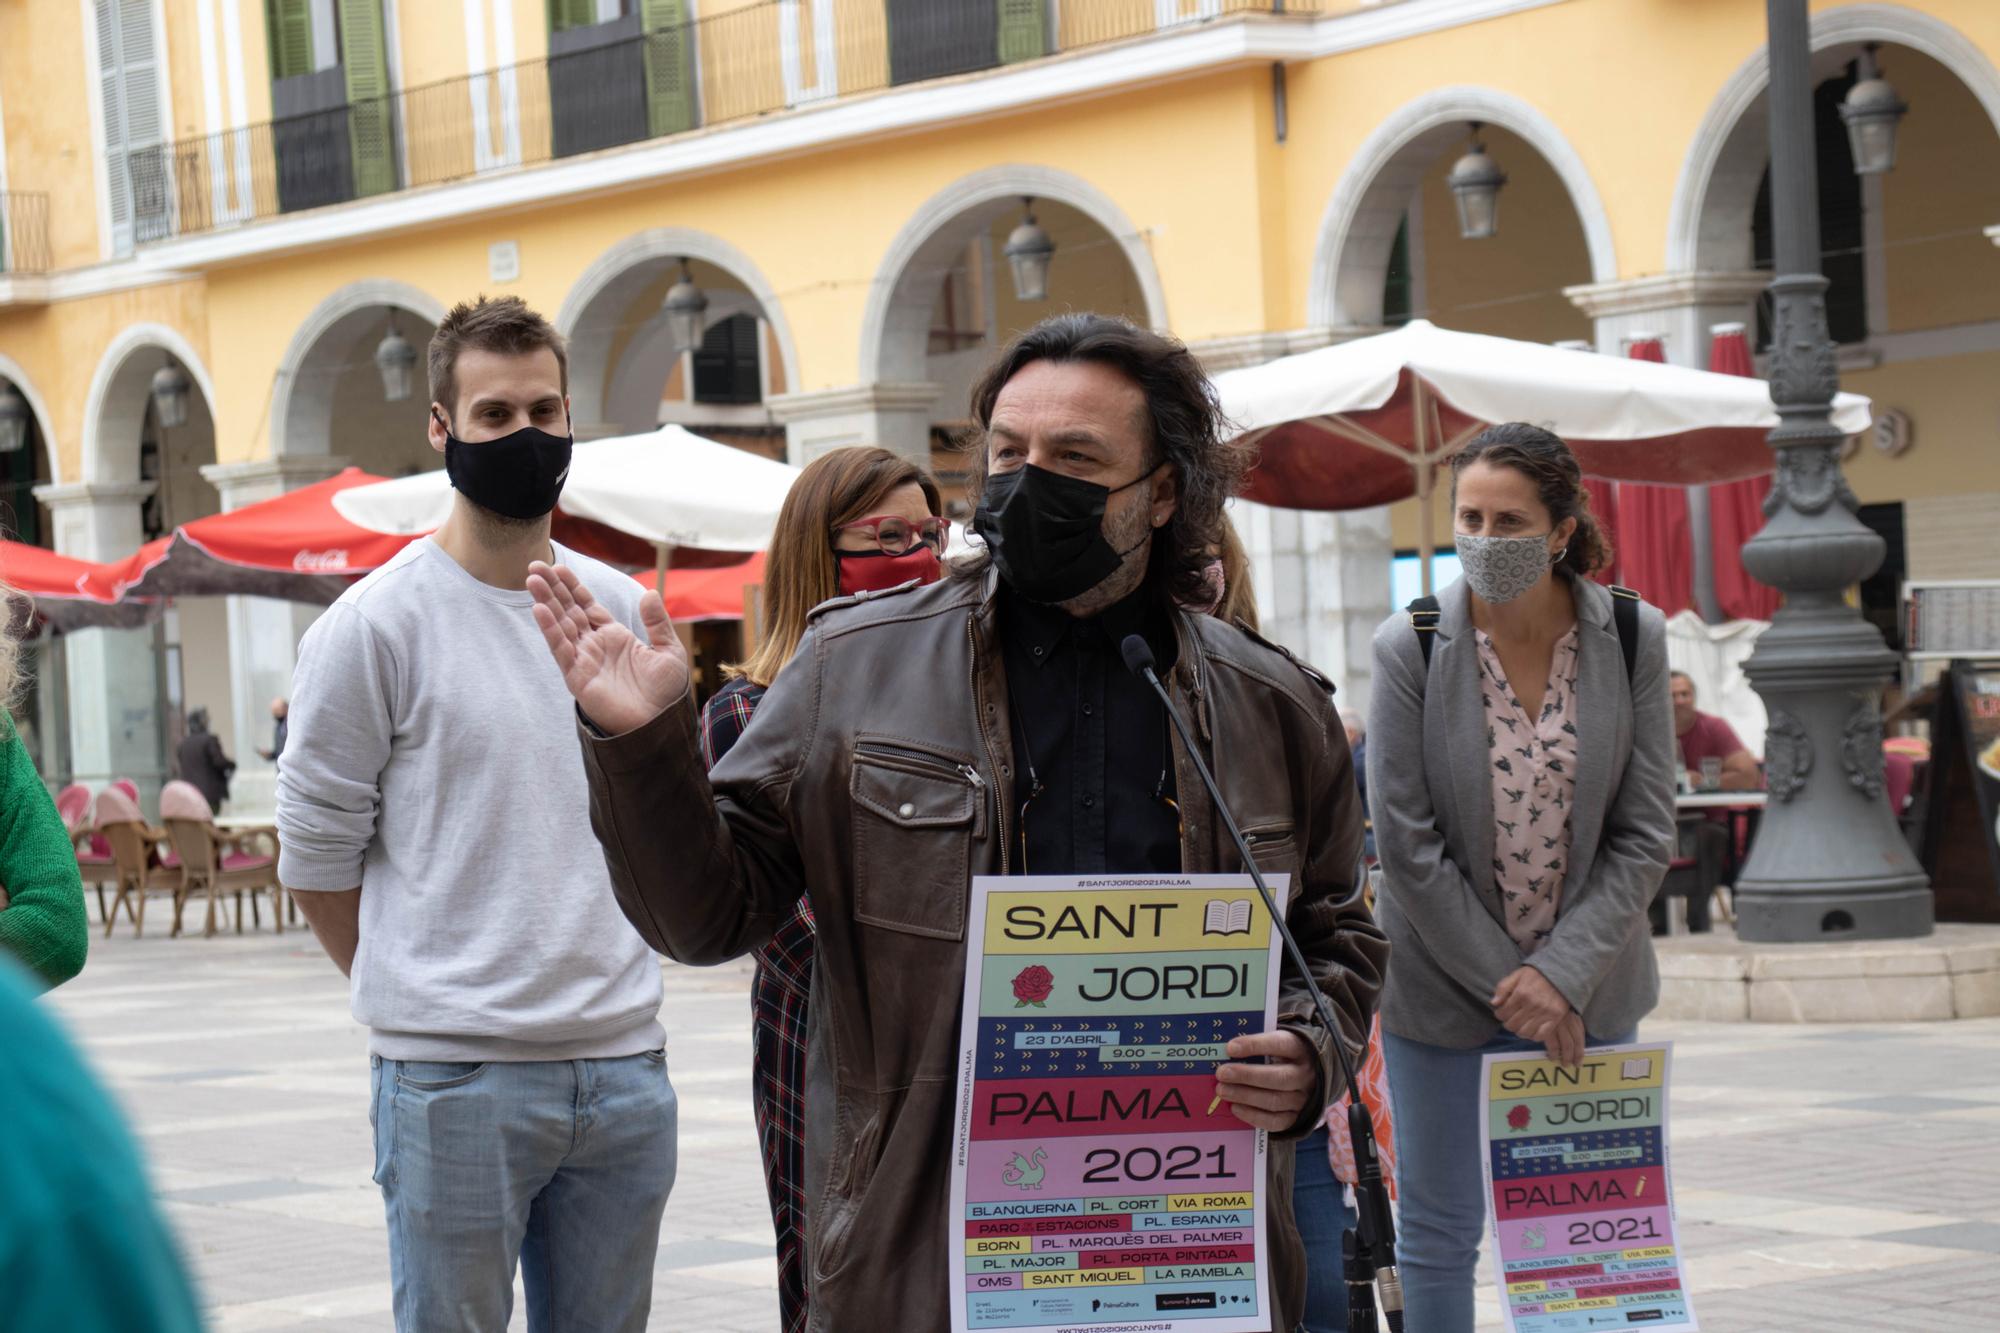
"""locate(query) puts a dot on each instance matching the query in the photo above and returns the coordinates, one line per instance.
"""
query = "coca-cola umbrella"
(63, 593)
(296, 547)
(716, 593)
(1367, 422)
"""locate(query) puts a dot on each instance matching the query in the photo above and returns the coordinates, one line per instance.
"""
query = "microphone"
(1376, 1250)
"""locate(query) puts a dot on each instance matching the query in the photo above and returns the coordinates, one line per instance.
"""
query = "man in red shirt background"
(1706, 736)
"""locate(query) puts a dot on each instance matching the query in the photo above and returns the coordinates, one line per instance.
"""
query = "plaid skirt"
(778, 1092)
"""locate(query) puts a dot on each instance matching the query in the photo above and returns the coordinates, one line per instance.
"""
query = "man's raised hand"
(620, 682)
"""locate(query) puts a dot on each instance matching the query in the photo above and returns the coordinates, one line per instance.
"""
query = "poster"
(1578, 1174)
(1099, 1180)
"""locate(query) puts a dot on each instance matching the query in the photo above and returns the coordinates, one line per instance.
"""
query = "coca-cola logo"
(320, 562)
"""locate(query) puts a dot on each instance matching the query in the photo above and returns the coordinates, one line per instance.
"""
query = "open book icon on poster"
(1226, 918)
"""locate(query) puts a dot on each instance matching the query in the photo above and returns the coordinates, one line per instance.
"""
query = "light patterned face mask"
(1501, 569)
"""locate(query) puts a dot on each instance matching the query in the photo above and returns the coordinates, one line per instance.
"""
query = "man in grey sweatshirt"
(435, 826)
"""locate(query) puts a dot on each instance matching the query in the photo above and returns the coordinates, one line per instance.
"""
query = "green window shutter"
(669, 66)
(371, 116)
(288, 24)
(567, 14)
(1024, 30)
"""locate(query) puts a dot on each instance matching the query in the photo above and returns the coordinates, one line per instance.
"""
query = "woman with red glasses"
(856, 520)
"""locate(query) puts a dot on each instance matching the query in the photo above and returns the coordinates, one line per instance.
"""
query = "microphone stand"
(1371, 1246)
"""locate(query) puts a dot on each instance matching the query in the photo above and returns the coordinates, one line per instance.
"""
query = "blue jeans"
(1434, 1100)
(562, 1166)
(1320, 1208)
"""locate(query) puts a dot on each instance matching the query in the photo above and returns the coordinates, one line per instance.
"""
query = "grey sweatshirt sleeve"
(342, 721)
(1638, 841)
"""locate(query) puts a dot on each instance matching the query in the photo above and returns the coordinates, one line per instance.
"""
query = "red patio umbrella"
(64, 593)
(295, 546)
(1736, 508)
(706, 594)
(1657, 559)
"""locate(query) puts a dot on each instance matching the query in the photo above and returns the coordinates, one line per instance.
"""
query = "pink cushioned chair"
(93, 853)
(212, 862)
(132, 843)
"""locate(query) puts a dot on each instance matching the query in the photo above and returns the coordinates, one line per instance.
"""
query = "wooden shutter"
(128, 73)
(1024, 30)
(567, 14)
(288, 25)
(670, 106)
(371, 119)
(726, 368)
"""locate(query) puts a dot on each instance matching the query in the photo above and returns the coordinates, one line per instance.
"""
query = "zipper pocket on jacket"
(920, 762)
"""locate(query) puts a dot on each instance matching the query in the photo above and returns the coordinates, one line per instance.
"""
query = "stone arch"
(895, 326)
(1708, 222)
(1358, 228)
(591, 341)
(302, 404)
(10, 370)
(114, 411)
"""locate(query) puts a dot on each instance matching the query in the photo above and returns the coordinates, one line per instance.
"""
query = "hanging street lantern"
(170, 396)
(1029, 249)
(13, 419)
(397, 361)
(1475, 182)
(686, 307)
(1872, 110)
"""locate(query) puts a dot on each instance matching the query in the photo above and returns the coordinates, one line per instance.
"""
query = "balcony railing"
(24, 232)
(613, 85)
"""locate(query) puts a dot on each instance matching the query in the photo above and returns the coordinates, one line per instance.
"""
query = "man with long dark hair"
(985, 725)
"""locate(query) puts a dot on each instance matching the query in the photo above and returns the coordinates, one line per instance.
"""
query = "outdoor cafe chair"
(93, 853)
(216, 863)
(133, 843)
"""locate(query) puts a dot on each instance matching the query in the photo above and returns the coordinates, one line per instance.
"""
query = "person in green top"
(82, 1245)
(42, 921)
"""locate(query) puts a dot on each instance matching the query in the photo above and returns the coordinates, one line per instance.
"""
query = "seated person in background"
(1705, 736)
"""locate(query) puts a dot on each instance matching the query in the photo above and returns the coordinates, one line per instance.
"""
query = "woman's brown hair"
(799, 569)
(1239, 595)
(1547, 462)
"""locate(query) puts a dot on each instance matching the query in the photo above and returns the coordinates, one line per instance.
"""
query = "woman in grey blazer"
(1519, 856)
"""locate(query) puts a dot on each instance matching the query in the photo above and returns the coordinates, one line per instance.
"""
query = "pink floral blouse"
(1534, 783)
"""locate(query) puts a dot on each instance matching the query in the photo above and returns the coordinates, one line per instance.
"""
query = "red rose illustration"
(1032, 986)
(1517, 1119)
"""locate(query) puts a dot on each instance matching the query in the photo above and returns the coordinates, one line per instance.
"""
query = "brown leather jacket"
(868, 781)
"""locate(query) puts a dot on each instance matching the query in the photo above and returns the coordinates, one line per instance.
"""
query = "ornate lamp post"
(687, 311)
(13, 419)
(1029, 249)
(1829, 861)
(1475, 183)
(1871, 110)
(397, 362)
(170, 395)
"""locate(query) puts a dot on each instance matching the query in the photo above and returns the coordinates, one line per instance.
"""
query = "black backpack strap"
(1424, 617)
(1625, 611)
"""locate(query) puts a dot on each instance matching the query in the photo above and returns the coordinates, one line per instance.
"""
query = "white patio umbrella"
(1367, 422)
(669, 487)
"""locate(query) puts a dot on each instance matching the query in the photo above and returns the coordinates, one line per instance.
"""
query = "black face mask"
(1046, 532)
(519, 475)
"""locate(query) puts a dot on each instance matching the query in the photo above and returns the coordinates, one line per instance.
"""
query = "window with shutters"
(619, 71)
(929, 39)
(727, 368)
(807, 51)
(135, 151)
(334, 113)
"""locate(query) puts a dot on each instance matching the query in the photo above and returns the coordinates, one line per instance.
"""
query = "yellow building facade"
(255, 191)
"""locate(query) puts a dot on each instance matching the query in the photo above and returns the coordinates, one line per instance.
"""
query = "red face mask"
(872, 571)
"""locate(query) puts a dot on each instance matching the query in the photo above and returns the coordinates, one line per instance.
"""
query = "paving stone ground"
(1829, 1178)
